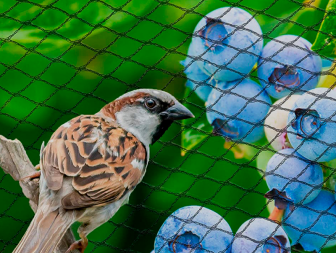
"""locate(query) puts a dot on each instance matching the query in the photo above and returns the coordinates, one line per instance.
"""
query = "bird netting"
(257, 75)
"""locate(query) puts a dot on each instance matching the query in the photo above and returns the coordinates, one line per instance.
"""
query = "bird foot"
(32, 176)
(80, 245)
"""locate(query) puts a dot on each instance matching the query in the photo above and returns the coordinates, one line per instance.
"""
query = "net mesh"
(60, 59)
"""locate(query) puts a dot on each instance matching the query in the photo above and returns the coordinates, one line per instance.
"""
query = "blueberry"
(291, 177)
(197, 81)
(238, 109)
(287, 64)
(194, 229)
(229, 40)
(312, 226)
(259, 235)
(312, 130)
(276, 122)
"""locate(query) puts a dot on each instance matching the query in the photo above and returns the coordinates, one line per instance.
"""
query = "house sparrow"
(92, 163)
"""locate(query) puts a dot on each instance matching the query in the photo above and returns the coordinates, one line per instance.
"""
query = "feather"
(99, 155)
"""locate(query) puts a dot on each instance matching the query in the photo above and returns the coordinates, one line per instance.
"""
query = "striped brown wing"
(104, 160)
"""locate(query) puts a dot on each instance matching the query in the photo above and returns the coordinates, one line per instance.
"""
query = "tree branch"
(15, 162)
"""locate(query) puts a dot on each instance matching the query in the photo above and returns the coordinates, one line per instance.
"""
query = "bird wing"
(104, 160)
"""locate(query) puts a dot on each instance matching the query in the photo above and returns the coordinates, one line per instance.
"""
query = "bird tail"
(44, 232)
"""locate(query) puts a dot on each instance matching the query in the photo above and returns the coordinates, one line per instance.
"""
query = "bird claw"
(80, 245)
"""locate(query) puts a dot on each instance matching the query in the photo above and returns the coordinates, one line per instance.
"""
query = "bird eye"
(150, 103)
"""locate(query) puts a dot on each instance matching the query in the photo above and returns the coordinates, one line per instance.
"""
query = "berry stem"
(283, 140)
(237, 149)
(276, 214)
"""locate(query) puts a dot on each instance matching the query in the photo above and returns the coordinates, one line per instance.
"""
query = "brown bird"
(92, 163)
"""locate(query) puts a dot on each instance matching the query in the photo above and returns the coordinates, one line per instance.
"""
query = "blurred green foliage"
(325, 42)
(61, 58)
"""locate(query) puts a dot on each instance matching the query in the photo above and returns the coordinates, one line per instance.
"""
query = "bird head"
(146, 113)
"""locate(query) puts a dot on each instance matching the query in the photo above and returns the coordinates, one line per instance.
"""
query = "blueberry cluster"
(282, 104)
(300, 129)
(194, 229)
(198, 229)
(227, 44)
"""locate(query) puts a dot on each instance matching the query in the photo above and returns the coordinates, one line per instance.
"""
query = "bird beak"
(177, 112)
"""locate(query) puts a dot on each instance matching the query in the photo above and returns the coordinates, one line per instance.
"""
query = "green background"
(62, 58)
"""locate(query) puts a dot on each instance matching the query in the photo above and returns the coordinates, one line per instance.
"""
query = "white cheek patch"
(139, 164)
(138, 121)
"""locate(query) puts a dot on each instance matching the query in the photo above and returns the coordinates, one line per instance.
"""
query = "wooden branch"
(15, 162)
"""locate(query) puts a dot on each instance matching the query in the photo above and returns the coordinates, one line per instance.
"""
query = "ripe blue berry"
(238, 109)
(194, 229)
(262, 236)
(287, 64)
(230, 41)
(312, 125)
(197, 81)
(312, 225)
(291, 177)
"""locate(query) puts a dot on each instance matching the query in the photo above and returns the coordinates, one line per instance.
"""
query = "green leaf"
(325, 42)
(30, 24)
(199, 130)
(330, 174)
(191, 137)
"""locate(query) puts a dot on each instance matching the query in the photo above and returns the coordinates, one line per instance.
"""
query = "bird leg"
(80, 244)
